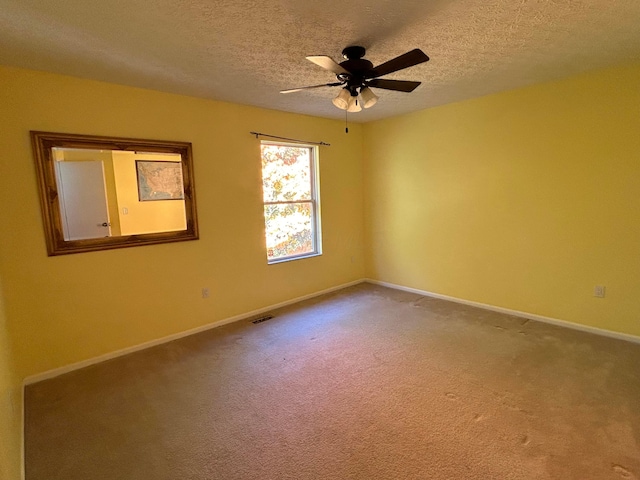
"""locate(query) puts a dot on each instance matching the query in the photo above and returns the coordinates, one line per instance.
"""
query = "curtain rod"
(258, 134)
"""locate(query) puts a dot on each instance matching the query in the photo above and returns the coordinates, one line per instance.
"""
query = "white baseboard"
(125, 351)
(531, 316)
(23, 472)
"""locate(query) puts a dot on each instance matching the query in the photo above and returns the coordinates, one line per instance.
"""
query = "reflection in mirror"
(104, 192)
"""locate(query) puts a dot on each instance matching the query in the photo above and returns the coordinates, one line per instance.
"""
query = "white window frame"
(316, 224)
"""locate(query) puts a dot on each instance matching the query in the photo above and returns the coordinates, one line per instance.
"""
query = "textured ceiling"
(245, 51)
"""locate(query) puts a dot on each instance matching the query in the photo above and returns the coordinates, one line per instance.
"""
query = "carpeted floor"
(367, 383)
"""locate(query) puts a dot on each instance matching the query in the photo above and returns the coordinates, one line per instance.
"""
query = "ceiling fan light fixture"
(354, 105)
(369, 98)
(342, 100)
(356, 74)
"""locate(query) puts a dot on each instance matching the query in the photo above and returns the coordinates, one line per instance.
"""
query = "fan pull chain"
(346, 125)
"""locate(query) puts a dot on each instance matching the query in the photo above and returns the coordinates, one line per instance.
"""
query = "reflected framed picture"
(159, 180)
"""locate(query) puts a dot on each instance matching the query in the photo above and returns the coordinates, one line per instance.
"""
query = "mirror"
(100, 193)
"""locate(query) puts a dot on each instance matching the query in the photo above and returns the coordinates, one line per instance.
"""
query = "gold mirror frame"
(43, 144)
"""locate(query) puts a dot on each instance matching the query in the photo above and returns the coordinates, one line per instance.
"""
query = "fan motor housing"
(354, 62)
(357, 66)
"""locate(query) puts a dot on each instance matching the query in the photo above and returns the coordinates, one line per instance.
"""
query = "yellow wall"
(68, 308)
(144, 217)
(524, 200)
(10, 406)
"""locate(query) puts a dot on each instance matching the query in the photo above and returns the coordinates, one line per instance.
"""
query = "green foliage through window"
(288, 178)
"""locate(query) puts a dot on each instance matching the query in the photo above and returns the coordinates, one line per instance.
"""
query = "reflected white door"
(83, 200)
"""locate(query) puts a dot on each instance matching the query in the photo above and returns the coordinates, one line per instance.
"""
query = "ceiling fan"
(355, 75)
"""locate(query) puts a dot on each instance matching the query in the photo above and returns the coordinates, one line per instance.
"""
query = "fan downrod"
(353, 53)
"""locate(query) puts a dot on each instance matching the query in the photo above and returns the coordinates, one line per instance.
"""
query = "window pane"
(286, 173)
(288, 229)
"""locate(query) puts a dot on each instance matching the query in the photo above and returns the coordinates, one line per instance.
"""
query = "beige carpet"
(367, 383)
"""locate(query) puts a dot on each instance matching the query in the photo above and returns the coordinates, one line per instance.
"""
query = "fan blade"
(312, 86)
(409, 59)
(327, 63)
(397, 85)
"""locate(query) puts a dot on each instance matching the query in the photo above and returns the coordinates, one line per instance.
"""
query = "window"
(291, 203)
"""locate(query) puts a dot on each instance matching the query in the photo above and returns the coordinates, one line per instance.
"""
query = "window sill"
(290, 259)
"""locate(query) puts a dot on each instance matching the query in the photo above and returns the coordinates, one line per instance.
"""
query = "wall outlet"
(206, 293)
(598, 291)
